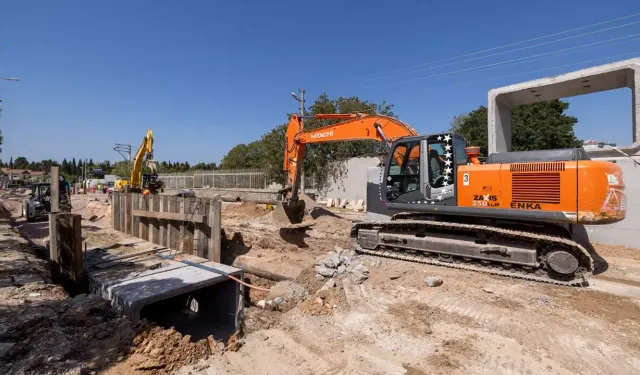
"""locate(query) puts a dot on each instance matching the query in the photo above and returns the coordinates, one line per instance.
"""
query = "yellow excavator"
(144, 183)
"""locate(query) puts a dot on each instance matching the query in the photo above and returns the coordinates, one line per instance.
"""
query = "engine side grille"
(537, 167)
(536, 187)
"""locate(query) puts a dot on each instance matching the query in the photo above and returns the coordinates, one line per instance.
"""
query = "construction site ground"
(390, 323)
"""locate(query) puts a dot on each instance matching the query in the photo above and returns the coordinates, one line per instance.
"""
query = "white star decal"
(447, 147)
(447, 155)
(440, 197)
(447, 137)
(447, 162)
(445, 190)
(439, 137)
(448, 170)
(433, 202)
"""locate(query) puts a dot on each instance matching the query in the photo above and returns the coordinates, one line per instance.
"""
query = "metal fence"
(222, 179)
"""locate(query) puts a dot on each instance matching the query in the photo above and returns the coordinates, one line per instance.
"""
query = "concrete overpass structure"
(612, 76)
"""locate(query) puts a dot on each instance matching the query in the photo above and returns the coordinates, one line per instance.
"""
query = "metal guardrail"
(222, 179)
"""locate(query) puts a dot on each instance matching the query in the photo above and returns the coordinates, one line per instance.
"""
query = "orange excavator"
(515, 215)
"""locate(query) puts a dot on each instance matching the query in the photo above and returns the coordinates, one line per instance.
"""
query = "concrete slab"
(136, 283)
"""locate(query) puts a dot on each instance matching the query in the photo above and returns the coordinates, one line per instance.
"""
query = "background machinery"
(514, 215)
(139, 182)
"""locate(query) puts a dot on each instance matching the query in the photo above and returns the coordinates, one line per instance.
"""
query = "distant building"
(591, 144)
(23, 176)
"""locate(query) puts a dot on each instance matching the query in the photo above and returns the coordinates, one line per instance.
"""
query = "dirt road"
(393, 323)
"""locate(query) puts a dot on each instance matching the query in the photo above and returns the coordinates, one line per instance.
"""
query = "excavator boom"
(136, 180)
(356, 127)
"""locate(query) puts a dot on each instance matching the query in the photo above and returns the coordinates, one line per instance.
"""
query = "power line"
(527, 59)
(508, 51)
(521, 73)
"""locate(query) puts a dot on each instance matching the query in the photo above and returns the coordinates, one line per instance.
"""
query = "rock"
(24, 279)
(395, 275)
(320, 277)
(319, 301)
(487, 290)
(332, 260)
(324, 271)
(330, 284)
(261, 304)
(278, 300)
(34, 295)
(341, 269)
(343, 203)
(201, 366)
(433, 281)
(5, 347)
(287, 289)
(359, 205)
(359, 274)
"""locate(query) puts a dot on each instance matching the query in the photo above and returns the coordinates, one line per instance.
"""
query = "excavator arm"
(357, 127)
(145, 149)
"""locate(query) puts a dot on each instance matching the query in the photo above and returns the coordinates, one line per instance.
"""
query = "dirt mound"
(161, 351)
(98, 213)
(245, 210)
(332, 224)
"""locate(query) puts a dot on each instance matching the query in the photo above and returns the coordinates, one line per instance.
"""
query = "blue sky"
(206, 75)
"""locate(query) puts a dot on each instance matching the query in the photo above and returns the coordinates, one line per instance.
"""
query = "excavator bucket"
(289, 213)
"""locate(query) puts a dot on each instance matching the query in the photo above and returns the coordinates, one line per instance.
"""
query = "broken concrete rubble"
(341, 261)
(433, 281)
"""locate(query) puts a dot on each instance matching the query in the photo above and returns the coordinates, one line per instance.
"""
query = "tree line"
(73, 170)
(537, 126)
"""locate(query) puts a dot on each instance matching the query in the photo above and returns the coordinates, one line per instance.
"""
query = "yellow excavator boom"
(146, 149)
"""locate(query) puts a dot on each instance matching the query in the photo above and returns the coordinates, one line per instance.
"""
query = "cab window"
(404, 170)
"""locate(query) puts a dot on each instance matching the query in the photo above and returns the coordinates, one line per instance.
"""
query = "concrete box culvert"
(194, 301)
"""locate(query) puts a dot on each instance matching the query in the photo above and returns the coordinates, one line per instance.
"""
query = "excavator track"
(580, 277)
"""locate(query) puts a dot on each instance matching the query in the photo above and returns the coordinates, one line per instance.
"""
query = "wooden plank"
(181, 224)
(123, 228)
(200, 249)
(55, 190)
(142, 220)
(113, 211)
(134, 220)
(127, 217)
(190, 206)
(163, 223)
(170, 216)
(214, 222)
(153, 223)
(173, 226)
(54, 254)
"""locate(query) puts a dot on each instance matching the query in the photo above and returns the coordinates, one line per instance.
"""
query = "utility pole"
(301, 100)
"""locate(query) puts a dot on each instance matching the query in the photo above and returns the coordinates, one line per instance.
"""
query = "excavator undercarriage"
(512, 249)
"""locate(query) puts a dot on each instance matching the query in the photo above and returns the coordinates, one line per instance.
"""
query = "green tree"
(324, 161)
(11, 163)
(74, 167)
(21, 163)
(65, 167)
(537, 126)
(121, 169)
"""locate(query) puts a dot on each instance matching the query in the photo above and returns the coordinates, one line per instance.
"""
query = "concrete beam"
(612, 76)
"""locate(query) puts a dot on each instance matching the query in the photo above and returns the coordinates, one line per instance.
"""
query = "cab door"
(404, 173)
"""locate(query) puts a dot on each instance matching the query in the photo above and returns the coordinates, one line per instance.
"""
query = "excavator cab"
(422, 170)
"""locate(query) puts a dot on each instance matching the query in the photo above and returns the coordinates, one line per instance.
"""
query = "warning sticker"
(612, 179)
